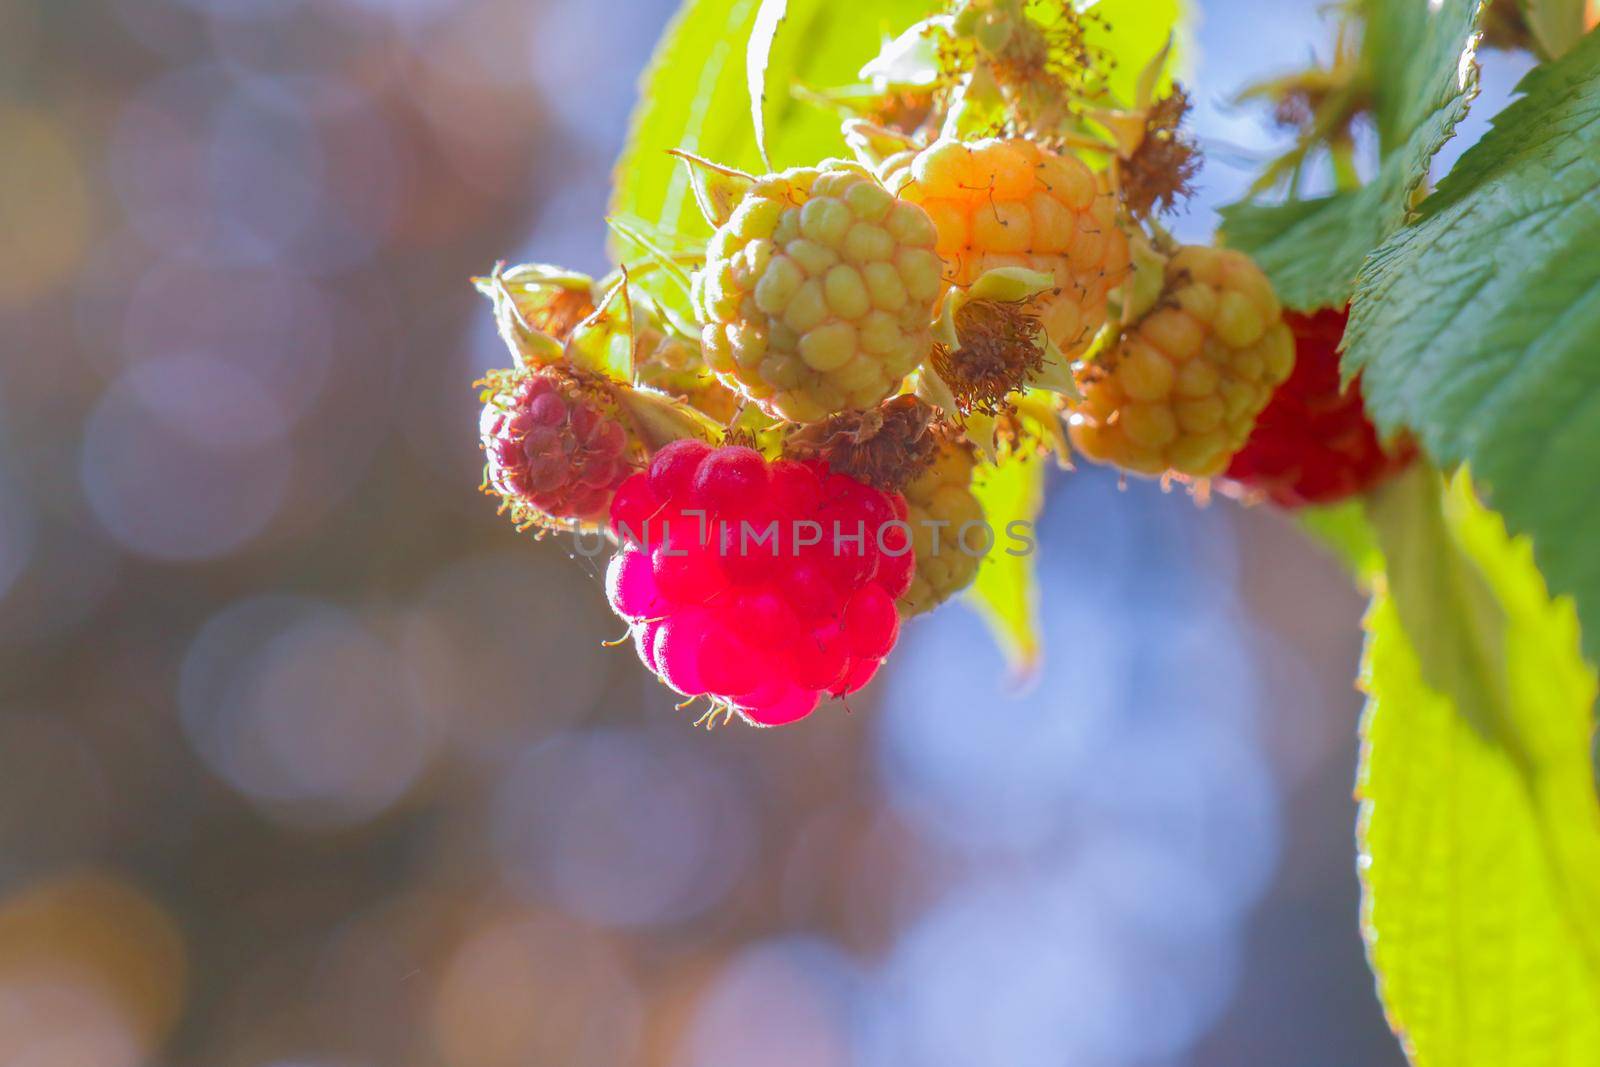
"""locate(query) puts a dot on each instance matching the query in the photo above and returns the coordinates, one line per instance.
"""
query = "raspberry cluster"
(1181, 390)
(1014, 203)
(554, 448)
(762, 585)
(943, 512)
(1313, 444)
(884, 325)
(817, 295)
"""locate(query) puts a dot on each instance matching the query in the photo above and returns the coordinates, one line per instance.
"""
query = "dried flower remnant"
(886, 447)
(1159, 174)
(1001, 347)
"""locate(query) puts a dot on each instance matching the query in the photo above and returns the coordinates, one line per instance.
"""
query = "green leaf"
(1310, 249)
(1457, 628)
(1006, 591)
(1425, 75)
(818, 44)
(689, 98)
(1480, 850)
(758, 57)
(1421, 54)
(1477, 327)
(714, 59)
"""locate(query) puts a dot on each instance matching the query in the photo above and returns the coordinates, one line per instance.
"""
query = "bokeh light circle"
(532, 988)
(185, 459)
(786, 1001)
(622, 827)
(477, 639)
(304, 710)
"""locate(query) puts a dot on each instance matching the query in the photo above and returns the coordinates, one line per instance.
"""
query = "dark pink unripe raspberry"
(762, 585)
(555, 449)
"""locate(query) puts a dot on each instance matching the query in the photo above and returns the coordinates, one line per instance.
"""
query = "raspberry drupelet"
(818, 293)
(762, 585)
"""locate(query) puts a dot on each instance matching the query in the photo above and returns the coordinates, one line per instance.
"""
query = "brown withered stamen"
(740, 437)
(1161, 172)
(999, 348)
(887, 446)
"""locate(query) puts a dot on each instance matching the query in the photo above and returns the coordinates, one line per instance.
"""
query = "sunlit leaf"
(695, 96)
(1480, 841)
(818, 44)
(1456, 625)
(1006, 592)
(692, 97)
(1134, 31)
(758, 56)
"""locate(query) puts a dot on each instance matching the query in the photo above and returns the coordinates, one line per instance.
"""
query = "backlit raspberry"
(817, 295)
(765, 586)
(1181, 390)
(1013, 203)
(555, 448)
(1314, 443)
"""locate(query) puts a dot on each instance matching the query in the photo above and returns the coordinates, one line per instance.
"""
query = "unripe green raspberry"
(1181, 390)
(818, 293)
(947, 531)
(1012, 203)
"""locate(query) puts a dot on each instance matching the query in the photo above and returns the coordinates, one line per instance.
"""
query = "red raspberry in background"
(736, 587)
(553, 447)
(1313, 444)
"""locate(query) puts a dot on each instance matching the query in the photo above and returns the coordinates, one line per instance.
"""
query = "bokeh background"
(308, 760)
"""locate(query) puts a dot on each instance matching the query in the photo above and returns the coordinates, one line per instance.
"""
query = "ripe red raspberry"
(762, 585)
(1313, 444)
(556, 448)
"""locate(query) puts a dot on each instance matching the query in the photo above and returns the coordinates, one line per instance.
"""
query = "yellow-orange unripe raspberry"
(1181, 390)
(818, 293)
(948, 534)
(1012, 203)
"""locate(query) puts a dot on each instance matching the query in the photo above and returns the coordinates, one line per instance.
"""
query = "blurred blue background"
(308, 760)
